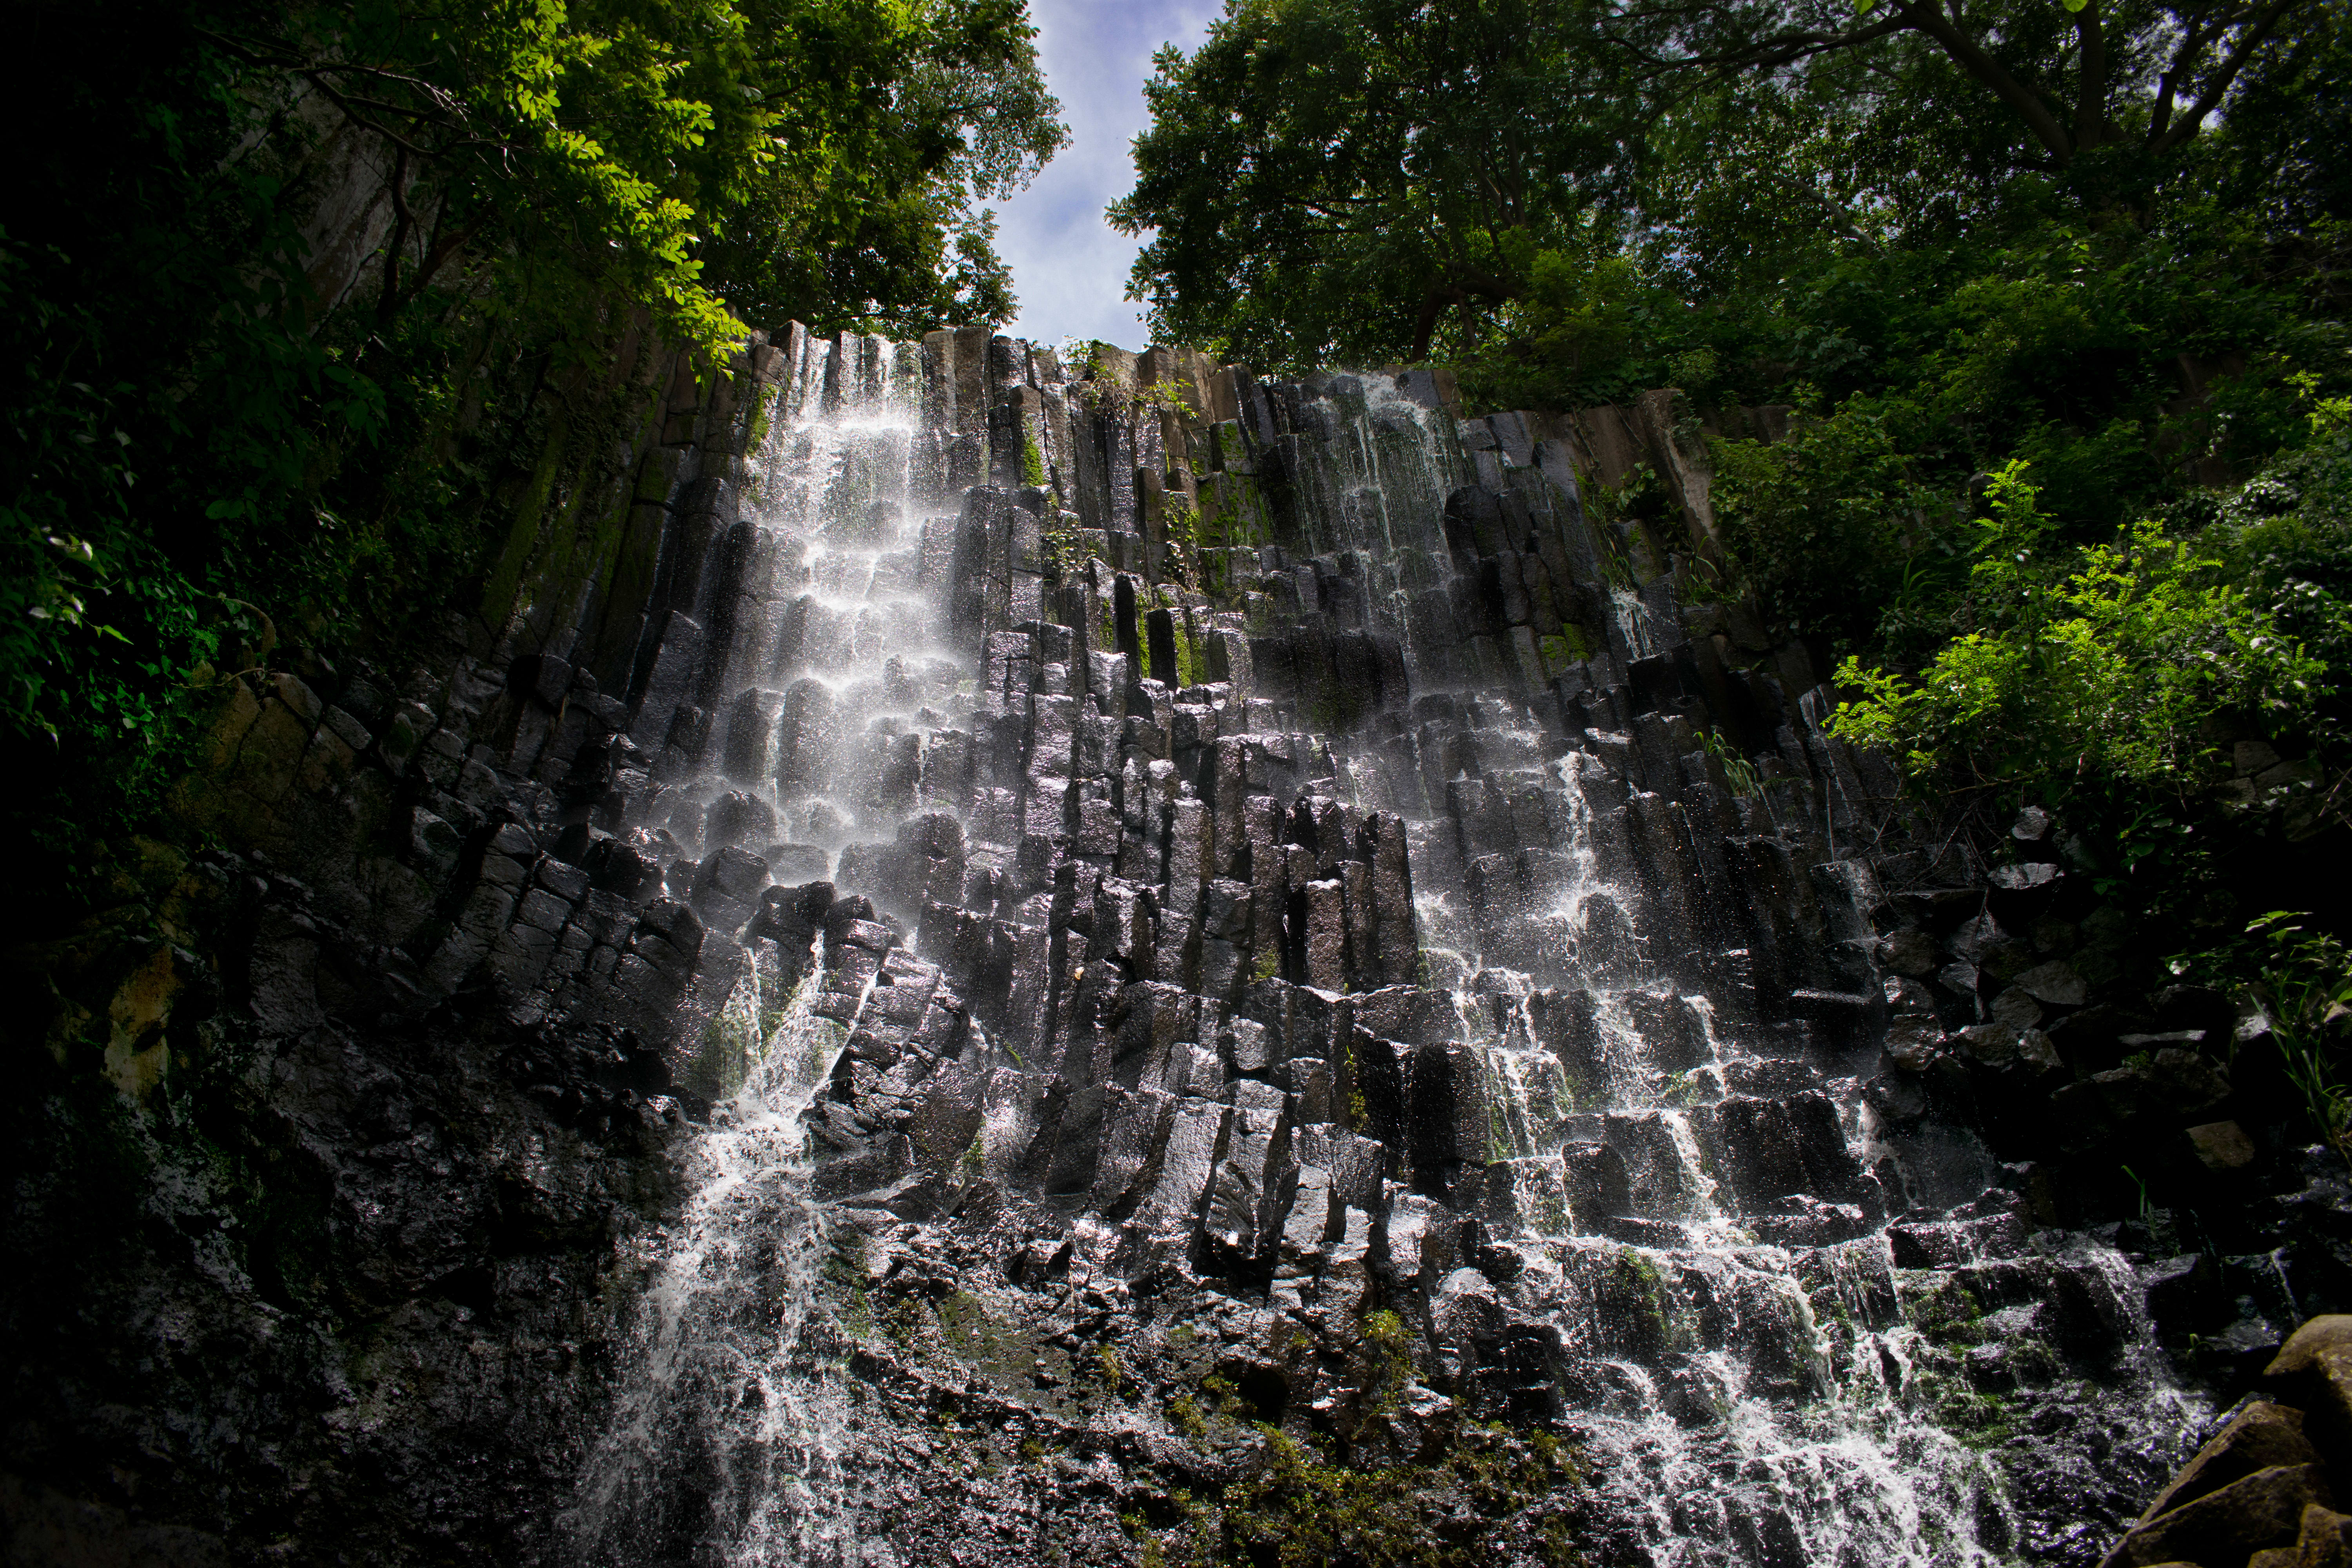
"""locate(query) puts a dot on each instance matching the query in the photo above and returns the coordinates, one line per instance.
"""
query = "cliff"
(976, 961)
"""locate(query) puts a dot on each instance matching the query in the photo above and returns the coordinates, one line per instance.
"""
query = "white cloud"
(1069, 267)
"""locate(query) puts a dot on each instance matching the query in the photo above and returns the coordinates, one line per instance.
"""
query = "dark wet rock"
(2256, 1439)
(2259, 1510)
(1330, 980)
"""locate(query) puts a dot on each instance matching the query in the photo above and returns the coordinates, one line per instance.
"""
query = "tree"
(2078, 80)
(1331, 180)
(291, 290)
(1370, 179)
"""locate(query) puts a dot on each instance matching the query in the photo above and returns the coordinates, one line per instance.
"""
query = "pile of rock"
(2258, 1495)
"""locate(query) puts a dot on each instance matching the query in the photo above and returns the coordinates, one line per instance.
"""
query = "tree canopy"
(1386, 179)
(287, 289)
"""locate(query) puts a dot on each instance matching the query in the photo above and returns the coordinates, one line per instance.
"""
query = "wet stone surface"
(1228, 992)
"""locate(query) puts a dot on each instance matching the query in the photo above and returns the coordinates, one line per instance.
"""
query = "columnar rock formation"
(1161, 915)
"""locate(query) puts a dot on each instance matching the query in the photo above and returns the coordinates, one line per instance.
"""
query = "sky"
(1069, 267)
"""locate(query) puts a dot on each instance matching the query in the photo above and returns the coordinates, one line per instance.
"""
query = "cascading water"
(733, 1427)
(733, 1439)
(1377, 895)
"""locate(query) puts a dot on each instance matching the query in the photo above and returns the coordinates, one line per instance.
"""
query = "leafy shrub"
(2102, 663)
(1835, 533)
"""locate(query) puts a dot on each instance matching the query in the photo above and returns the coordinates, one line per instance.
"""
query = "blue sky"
(1069, 267)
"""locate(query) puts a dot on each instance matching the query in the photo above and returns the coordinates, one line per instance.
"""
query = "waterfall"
(734, 1423)
(1127, 827)
(734, 1430)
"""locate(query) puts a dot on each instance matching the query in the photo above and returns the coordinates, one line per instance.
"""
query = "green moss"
(824, 1045)
(764, 409)
(1950, 1315)
(1640, 1291)
(904, 1320)
(1980, 1420)
(1355, 1108)
(1185, 1415)
(1268, 965)
(958, 1314)
(1032, 461)
(1571, 646)
(1334, 710)
(1188, 658)
(1183, 525)
(1387, 1356)
(1301, 1511)
(1224, 1396)
(729, 1044)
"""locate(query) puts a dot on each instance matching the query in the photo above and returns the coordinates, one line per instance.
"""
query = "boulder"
(1597, 1184)
(2259, 1437)
(2227, 1525)
(2302, 1353)
(1910, 953)
(2055, 984)
(2325, 1539)
(727, 887)
(2222, 1147)
(2184, 1295)
(1525, 1194)
(2313, 1371)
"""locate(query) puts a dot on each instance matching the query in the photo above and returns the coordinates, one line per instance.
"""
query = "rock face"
(1047, 964)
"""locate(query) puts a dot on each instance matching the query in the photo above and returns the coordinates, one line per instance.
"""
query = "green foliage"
(2287, 536)
(1065, 554)
(1032, 461)
(1182, 530)
(2093, 666)
(1326, 180)
(1183, 525)
(1575, 201)
(1167, 395)
(244, 428)
(2306, 982)
(1832, 529)
(1737, 771)
(1388, 1354)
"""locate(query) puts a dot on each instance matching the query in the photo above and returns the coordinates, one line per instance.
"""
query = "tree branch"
(2090, 79)
(1765, 54)
(389, 300)
(2167, 85)
(2193, 119)
(1926, 17)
